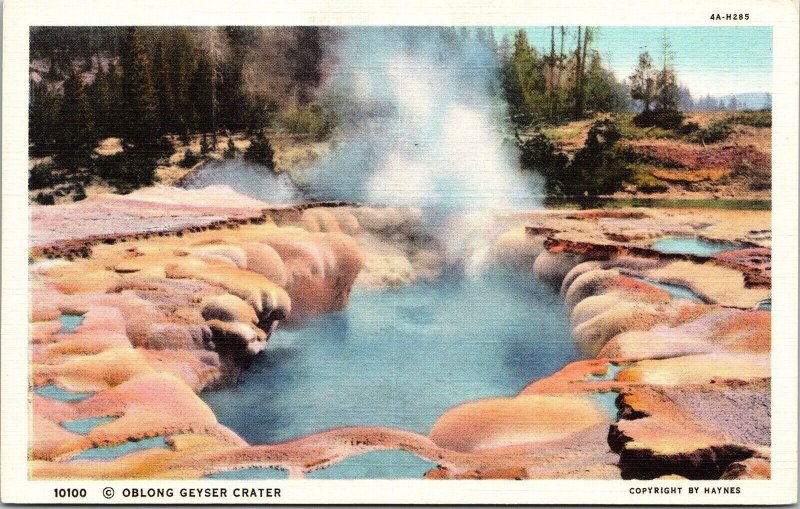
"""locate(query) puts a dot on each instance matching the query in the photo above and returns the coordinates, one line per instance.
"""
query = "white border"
(782, 15)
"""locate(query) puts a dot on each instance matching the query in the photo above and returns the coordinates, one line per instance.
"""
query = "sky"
(709, 60)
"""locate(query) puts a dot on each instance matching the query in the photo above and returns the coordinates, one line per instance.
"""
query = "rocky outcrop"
(755, 263)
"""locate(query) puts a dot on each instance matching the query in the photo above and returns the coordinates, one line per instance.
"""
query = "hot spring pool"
(693, 245)
(399, 358)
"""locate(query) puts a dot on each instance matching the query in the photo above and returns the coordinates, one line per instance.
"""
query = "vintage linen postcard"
(419, 253)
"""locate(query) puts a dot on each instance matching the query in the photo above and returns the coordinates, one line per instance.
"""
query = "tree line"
(141, 84)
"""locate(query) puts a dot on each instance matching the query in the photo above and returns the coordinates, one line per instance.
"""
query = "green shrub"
(45, 199)
(231, 151)
(539, 153)
(761, 118)
(666, 119)
(80, 193)
(688, 128)
(260, 151)
(716, 131)
(41, 176)
(598, 168)
(189, 159)
(126, 171)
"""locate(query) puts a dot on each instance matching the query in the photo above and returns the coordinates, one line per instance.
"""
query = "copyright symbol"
(108, 492)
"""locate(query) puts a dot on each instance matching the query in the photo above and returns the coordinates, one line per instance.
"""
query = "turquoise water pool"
(677, 291)
(70, 322)
(55, 392)
(84, 426)
(693, 245)
(607, 401)
(399, 358)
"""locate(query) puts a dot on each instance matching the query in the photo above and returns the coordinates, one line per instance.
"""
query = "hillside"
(720, 154)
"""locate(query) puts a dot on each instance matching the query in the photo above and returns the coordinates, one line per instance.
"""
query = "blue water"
(611, 372)
(70, 322)
(399, 358)
(84, 426)
(115, 451)
(376, 465)
(677, 291)
(250, 473)
(56, 392)
(693, 245)
(607, 401)
(765, 305)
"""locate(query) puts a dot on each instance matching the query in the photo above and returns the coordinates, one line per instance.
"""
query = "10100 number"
(69, 492)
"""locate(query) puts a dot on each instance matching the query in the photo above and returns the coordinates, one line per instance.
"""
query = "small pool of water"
(399, 358)
(693, 245)
(84, 426)
(244, 474)
(115, 451)
(677, 291)
(55, 392)
(765, 305)
(607, 401)
(70, 322)
(392, 464)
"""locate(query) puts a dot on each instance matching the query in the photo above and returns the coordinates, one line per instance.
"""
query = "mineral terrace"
(178, 290)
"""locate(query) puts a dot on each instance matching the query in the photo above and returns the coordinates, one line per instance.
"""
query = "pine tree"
(163, 84)
(552, 85)
(510, 82)
(100, 96)
(667, 91)
(580, 70)
(43, 117)
(260, 151)
(643, 81)
(182, 62)
(74, 132)
(114, 99)
(204, 146)
(230, 152)
(214, 44)
(233, 102)
(201, 93)
(139, 116)
(530, 75)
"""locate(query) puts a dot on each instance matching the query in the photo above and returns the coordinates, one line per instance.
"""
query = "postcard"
(418, 253)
